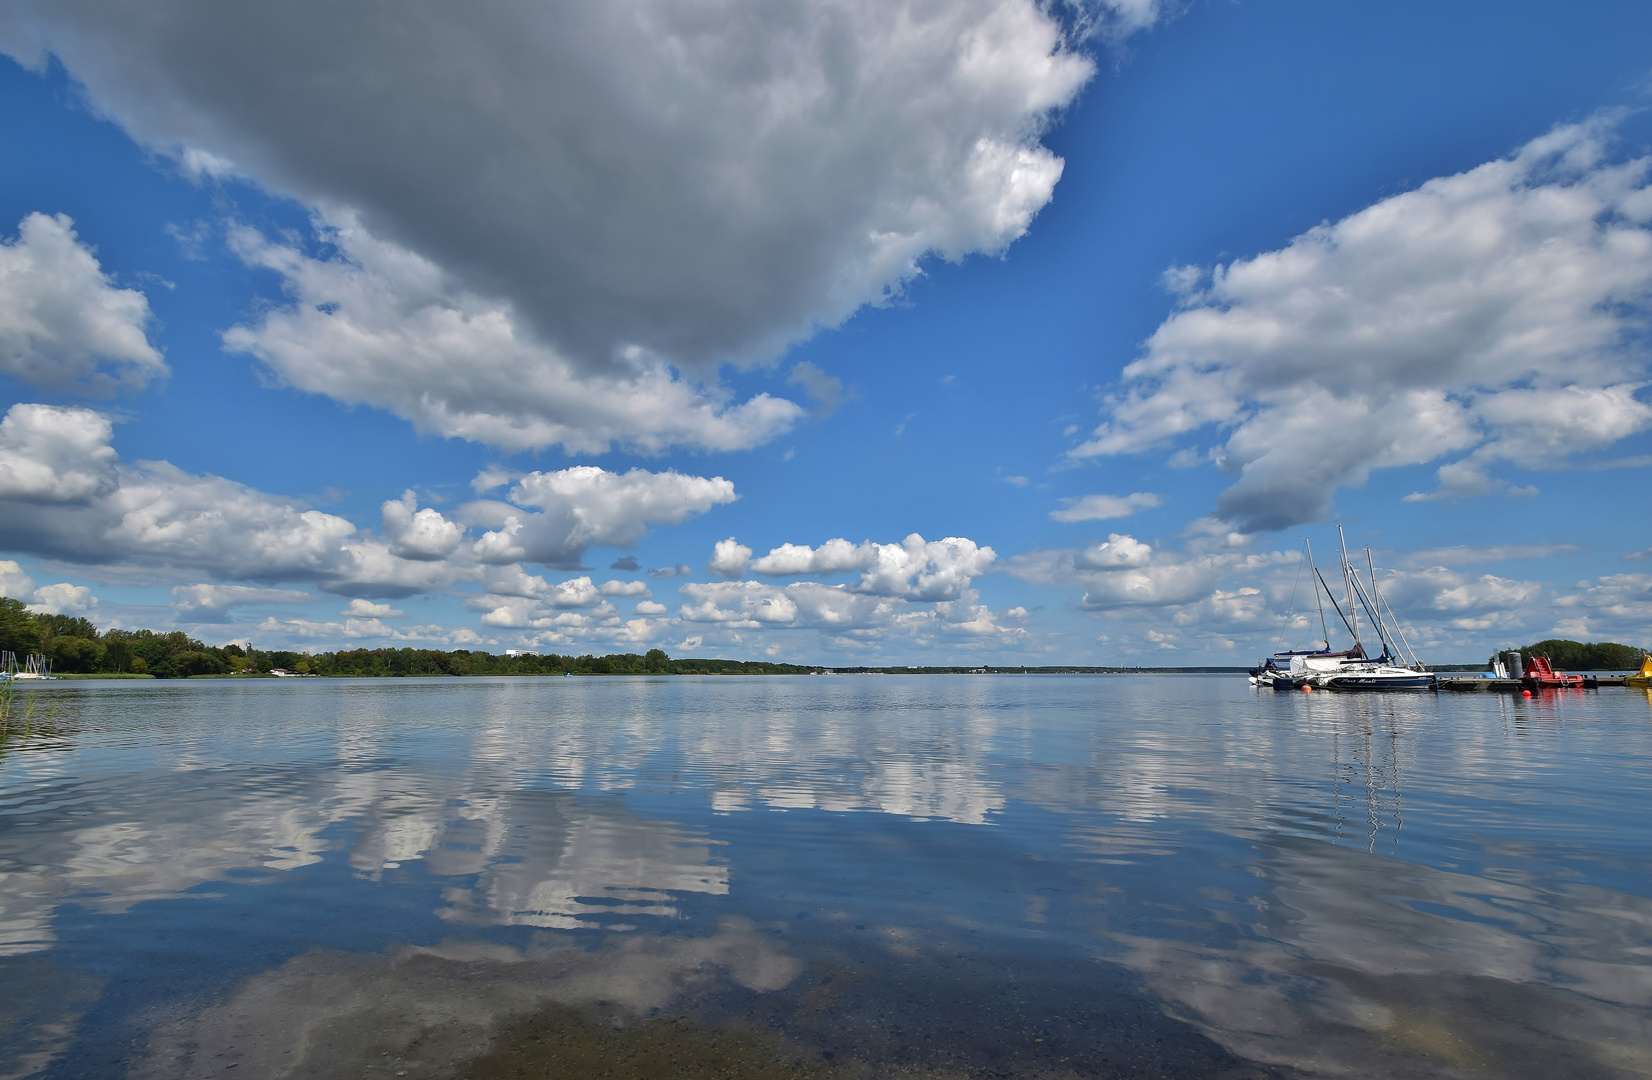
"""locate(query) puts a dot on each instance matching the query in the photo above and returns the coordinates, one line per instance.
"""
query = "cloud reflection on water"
(1404, 873)
(1358, 965)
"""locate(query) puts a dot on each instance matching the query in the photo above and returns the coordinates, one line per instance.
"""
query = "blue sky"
(879, 333)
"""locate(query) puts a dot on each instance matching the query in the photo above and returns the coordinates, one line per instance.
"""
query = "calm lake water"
(1041, 876)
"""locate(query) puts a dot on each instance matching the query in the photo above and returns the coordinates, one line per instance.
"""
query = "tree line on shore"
(1567, 655)
(75, 645)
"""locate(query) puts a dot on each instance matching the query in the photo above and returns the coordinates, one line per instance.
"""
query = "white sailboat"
(1285, 668)
(1385, 672)
(35, 666)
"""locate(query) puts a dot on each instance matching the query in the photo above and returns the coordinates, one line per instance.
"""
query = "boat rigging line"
(1337, 606)
(1324, 629)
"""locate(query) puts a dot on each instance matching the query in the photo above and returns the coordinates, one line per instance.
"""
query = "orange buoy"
(1306, 689)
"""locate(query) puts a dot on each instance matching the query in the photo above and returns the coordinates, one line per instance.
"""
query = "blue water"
(958, 876)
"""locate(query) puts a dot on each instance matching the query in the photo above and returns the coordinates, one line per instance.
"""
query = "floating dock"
(1504, 686)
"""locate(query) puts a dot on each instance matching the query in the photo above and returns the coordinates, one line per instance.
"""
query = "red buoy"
(1525, 693)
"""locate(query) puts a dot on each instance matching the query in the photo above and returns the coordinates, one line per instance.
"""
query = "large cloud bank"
(915, 589)
(376, 324)
(587, 192)
(66, 495)
(1215, 593)
(1488, 317)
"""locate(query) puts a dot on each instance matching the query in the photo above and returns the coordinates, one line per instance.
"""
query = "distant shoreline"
(798, 670)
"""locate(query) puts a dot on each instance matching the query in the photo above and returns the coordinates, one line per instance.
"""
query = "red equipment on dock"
(1541, 675)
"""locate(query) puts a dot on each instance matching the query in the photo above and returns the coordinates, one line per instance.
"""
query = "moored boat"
(34, 667)
(1377, 676)
(1282, 666)
(1288, 669)
(1541, 675)
(1643, 677)
(1351, 669)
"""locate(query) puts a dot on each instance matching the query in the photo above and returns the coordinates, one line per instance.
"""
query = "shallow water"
(1052, 876)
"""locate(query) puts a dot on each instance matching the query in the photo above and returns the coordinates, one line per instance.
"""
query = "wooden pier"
(1504, 686)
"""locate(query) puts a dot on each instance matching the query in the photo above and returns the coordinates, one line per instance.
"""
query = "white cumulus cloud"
(1490, 317)
(416, 533)
(366, 609)
(210, 603)
(64, 598)
(916, 592)
(376, 324)
(516, 599)
(839, 610)
(331, 634)
(53, 454)
(1123, 572)
(1616, 604)
(915, 568)
(640, 182)
(65, 494)
(1103, 507)
(63, 323)
(15, 582)
(552, 517)
(729, 559)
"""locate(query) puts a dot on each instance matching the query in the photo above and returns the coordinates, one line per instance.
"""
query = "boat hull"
(1566, 682)
(1372, 681)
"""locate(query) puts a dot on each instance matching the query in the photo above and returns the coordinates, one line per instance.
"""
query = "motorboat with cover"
(1280, 670)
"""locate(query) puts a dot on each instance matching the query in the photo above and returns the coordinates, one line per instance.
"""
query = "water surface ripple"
(1042, 876)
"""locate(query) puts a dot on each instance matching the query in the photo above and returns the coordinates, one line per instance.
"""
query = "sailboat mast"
(1376, 602)
(1329, 595)
(1318, 603)
(1348, 584)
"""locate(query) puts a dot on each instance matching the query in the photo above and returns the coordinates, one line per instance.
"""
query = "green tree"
(657, 661)
(19, 631)
(74, 654)
(195, 662)
(117, 653)
(53, 626)
(1567, 655)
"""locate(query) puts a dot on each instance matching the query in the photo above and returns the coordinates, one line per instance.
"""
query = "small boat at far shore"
(34, 667)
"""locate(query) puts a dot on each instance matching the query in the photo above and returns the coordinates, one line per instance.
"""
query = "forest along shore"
(78, 649)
